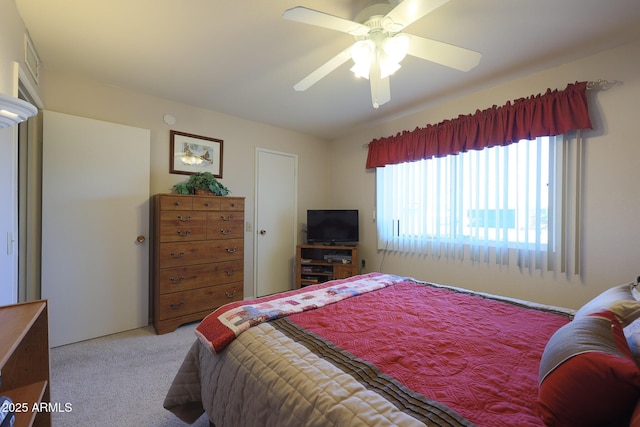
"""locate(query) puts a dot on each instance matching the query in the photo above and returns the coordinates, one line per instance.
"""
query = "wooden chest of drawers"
(198, 257)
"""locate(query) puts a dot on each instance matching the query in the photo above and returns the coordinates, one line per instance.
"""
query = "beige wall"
(86, 98)
(611, 230)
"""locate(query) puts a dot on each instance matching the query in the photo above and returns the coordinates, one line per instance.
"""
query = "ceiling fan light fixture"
(393, 50)
(362, 53)
(396, 47)
(388, 67)
(361, 70)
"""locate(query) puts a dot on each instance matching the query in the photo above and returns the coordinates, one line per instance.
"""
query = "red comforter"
(476, 355)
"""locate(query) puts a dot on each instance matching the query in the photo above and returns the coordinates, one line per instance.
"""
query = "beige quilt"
(265, 379)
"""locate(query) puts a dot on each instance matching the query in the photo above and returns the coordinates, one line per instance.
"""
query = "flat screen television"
(332, 226)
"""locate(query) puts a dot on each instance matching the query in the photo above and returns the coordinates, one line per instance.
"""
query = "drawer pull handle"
(225, 232)
(177, 203)
(183, 219)
(185, 234)
(207, 204)
(231, 294)
(232, 250)
(230, 271)
(177, 281)
(227, 218)
(176, 306)
(174, 255)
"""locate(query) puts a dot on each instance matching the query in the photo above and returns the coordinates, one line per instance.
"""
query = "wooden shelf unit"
(24, 359)
(321, 263)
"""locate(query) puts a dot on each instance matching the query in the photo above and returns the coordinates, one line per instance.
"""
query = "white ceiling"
(240, 57)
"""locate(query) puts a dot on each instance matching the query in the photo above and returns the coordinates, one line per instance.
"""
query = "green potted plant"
(201, 183)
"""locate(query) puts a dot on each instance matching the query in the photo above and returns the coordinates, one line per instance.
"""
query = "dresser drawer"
(176, 254)
(182, 225)
(225, 225)
(202, 299)
(201, 275)
(206, 203)
(175, 202)
(232, 204)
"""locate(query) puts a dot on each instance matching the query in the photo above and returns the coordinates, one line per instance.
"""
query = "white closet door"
(276, 221)
(95, 204)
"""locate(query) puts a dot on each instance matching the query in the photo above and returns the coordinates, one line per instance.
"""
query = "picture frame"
(189, 154)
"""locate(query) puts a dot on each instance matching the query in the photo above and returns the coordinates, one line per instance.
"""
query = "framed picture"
(192, 153)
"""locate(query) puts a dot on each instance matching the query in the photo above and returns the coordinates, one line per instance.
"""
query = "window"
(486, 205)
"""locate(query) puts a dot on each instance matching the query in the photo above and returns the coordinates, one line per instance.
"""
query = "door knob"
(263, 232)
(140, 239)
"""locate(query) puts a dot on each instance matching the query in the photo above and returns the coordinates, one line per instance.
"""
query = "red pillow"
(588, 376)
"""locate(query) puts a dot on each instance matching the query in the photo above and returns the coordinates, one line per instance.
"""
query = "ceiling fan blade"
(409, 11)
(323, 70)
(380, 87)
(321, 19)
(443, 53)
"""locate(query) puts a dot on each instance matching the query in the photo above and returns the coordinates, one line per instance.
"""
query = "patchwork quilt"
(226, 323)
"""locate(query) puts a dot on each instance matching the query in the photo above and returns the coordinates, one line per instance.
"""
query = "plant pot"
(201, 192)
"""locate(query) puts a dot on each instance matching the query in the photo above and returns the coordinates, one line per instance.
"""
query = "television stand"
(323, 262)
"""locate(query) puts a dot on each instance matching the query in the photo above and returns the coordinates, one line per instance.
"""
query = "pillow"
(587, 374)
(632, 332)
(621, 300)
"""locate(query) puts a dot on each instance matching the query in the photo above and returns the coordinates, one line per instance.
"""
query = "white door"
(8, 215)
(276, 221)
(95, 204)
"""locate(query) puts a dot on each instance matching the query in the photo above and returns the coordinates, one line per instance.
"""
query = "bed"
(384, 350)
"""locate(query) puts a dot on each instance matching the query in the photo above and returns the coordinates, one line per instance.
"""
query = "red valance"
(553, 113)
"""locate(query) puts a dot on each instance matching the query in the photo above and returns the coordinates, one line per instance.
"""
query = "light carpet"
(120, 379)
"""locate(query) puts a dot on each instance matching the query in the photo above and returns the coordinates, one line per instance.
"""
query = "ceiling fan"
(380, 45)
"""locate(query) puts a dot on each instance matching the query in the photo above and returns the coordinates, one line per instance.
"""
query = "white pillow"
(619, 299)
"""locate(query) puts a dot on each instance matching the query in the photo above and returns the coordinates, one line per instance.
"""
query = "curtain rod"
(602, 84)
